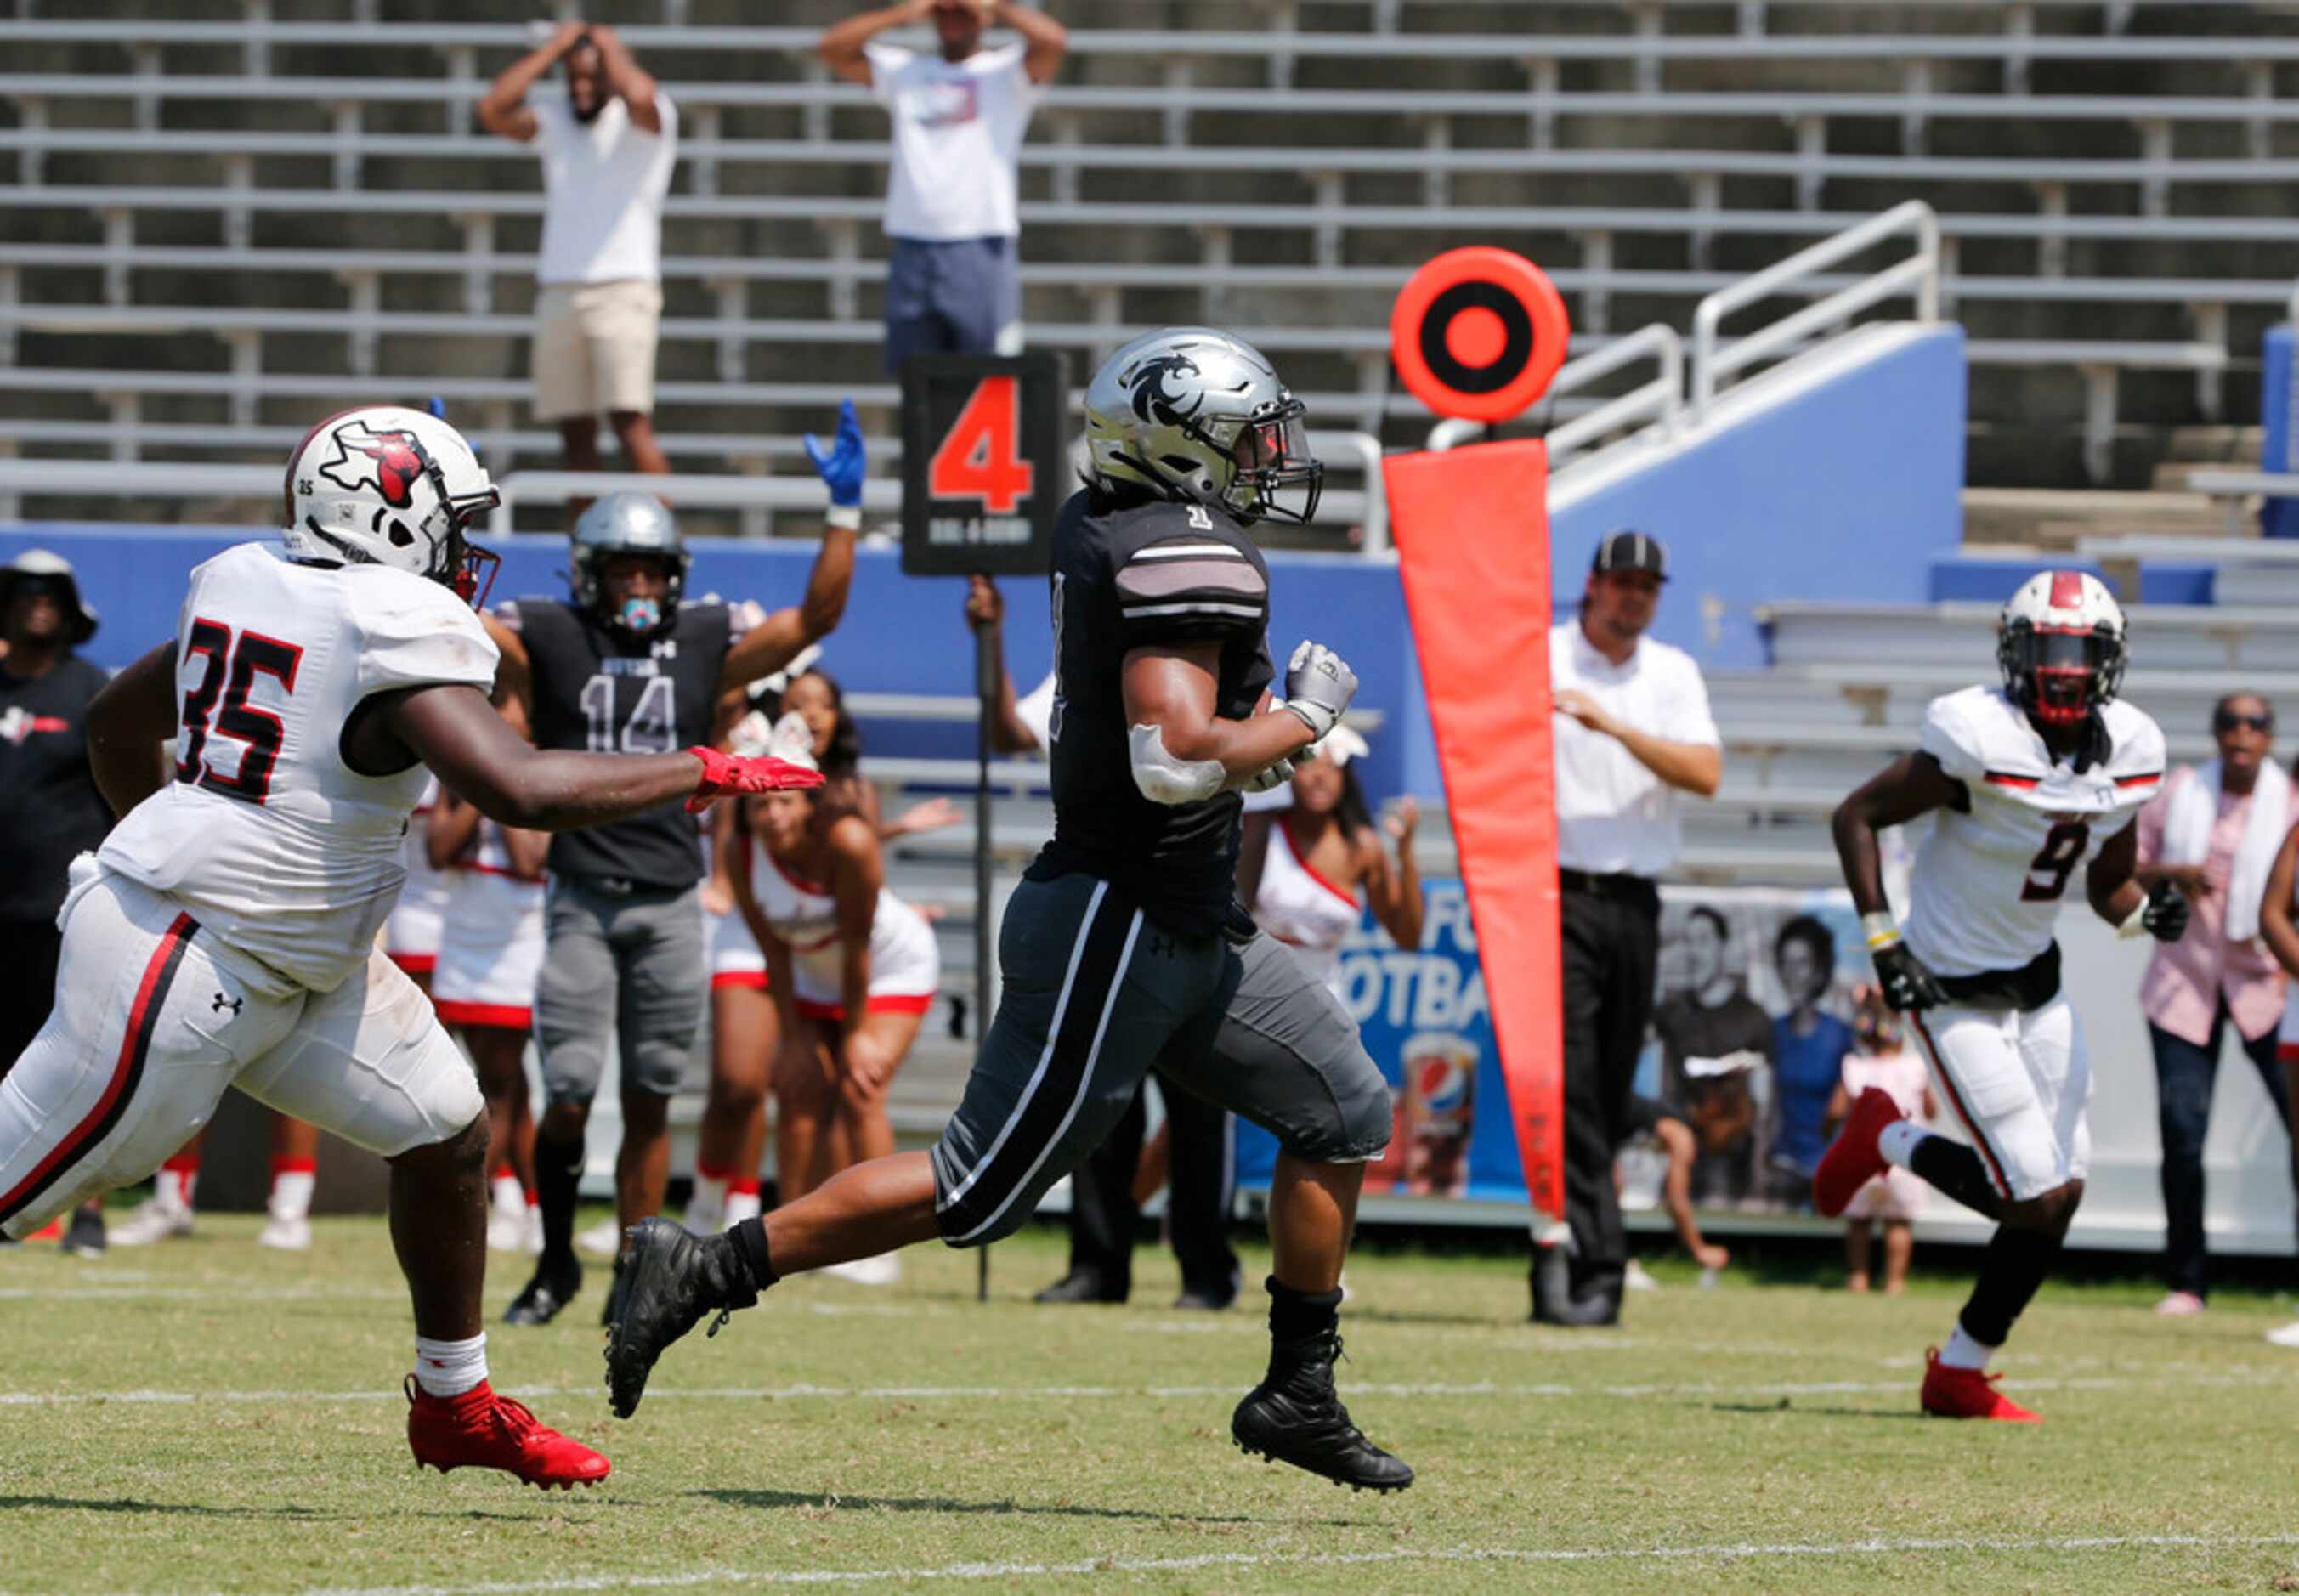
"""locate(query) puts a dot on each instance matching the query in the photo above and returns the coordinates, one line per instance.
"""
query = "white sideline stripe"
(1725, 1553)
(1003, 1393)
(1045, 1057)
(1085, 1082)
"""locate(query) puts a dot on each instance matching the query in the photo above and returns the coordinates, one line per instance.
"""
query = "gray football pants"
(1095, 993)
(629, 963)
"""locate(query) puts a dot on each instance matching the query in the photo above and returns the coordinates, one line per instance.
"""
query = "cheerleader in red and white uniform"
(852, 970)
(1309, 869)
(731, 1140)
(411, 937)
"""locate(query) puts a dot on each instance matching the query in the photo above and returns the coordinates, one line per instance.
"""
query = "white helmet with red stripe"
(2060, 646)
(387, 486)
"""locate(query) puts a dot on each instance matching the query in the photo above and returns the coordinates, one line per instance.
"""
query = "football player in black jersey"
(1122, 947)
(623, 665)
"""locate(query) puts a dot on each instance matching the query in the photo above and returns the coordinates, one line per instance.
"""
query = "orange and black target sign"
(1478, 333)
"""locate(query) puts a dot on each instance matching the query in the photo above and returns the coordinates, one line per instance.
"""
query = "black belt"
(1640, 888)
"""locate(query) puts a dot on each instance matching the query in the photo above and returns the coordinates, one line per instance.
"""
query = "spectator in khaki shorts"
(953, 280)
(607, 146)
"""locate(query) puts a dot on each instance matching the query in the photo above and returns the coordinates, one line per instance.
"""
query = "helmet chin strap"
(639, 616)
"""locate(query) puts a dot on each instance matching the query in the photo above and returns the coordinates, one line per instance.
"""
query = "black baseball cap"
(1625, 549)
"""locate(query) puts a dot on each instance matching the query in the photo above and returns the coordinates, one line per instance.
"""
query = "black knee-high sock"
(750, 1240)
(557, 1171)
(1955, 1169)
(1298, 1316)
(2016, 1263)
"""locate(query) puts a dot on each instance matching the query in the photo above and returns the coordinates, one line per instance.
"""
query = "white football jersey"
(1989, 882)
(267, 837)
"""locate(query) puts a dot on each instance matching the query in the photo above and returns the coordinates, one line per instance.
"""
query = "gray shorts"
(632, 963)
(1095, 995)
(954, 296)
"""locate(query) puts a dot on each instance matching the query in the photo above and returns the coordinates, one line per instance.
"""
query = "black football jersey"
(597, 689)
(1129, 573)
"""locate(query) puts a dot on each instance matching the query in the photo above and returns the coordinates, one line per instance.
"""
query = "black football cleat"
(553, 1287)
(613, 1307)
(1294, 1416)
(670, 1280)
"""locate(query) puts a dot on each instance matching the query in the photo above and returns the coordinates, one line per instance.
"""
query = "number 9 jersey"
(1988, 882)
(276, 845)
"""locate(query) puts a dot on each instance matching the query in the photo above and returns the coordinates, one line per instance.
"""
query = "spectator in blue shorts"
(953, 281)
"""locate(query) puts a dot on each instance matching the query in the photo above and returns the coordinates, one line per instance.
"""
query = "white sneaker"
(153, 1221)
(507, 1228)
(882, 1271)
(1637, 1278)
(603, 1240)
(2179, 1305)
(286, 1236)
(2285, 1335)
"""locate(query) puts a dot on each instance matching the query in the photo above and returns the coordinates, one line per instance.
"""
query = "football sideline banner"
(1472, 532)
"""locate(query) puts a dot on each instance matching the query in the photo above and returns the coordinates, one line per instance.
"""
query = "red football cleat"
(1968, 1393)
(1852, 1160)
(481, 1430)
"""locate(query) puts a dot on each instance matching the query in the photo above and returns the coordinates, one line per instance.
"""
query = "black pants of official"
(1612, 944)
(2185, 1075)
(1104, 1216)
(29, 952)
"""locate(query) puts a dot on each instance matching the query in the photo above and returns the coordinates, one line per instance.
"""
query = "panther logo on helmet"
(1152, 401)
(389, 461)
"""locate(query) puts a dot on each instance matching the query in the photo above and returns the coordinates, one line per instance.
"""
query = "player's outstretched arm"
(127, 723)
(1182, 751)
(454, 729)
(2112, 883)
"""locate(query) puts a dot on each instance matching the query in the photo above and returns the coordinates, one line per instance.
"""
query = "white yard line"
(1726, 1552)
(1762, 1391)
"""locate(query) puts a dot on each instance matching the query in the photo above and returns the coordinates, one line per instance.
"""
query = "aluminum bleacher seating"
(1276, 175)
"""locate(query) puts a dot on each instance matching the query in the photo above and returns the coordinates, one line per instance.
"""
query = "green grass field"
(205, 1416)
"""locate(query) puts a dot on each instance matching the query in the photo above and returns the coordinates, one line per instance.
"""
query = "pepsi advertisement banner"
(1425, 1022)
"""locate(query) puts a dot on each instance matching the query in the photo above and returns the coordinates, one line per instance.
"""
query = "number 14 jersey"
(271, 842)
(1988, 883)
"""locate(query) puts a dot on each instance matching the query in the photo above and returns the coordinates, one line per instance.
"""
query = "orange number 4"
(979, 460)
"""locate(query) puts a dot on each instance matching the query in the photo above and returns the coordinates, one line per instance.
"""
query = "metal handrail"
(1659, 400)
(1919, 275)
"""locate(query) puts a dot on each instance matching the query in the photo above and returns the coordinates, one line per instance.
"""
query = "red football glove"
(725, 773)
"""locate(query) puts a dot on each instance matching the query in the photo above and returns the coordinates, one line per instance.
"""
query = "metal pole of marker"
(985, 686)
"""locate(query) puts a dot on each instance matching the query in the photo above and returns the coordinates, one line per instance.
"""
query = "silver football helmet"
(629, 523)
(1194, 413)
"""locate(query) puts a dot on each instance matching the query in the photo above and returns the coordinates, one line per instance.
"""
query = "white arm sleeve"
(1164, 779)
(1036, 711)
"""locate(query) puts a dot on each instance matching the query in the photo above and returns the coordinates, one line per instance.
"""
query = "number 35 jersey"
(271, 842)
(1989, 881)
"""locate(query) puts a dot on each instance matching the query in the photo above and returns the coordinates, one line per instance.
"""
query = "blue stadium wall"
(1848, 491)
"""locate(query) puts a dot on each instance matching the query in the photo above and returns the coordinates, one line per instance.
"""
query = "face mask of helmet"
(2061, 673)
(1277, 477)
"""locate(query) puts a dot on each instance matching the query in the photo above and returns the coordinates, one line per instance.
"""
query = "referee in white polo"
(1633, 731)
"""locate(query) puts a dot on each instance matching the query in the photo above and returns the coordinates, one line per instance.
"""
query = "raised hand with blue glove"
(842, 464)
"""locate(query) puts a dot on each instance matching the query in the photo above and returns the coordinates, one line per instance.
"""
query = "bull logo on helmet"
(389, 461)
(1151, 402)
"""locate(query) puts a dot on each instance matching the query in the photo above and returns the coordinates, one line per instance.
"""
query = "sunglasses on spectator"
(2225, 721)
